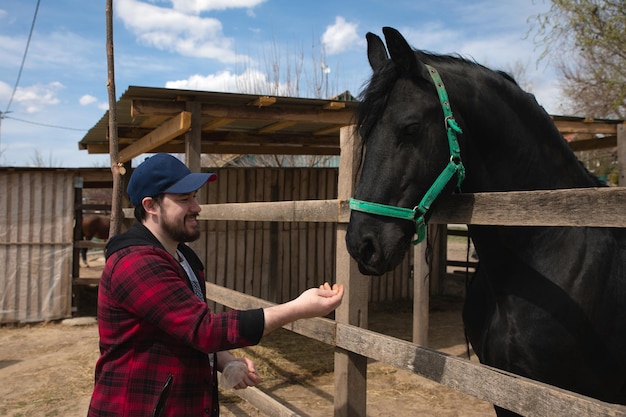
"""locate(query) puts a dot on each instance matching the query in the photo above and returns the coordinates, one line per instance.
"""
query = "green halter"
(455, 166)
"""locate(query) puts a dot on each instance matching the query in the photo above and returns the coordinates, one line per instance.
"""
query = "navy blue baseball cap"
(163, 173)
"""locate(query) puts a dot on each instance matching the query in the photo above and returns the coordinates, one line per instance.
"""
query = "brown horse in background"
(94, 226)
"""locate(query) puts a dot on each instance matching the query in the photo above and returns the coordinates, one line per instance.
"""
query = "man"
(160, 344)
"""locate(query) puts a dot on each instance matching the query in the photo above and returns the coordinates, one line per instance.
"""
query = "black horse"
(548, 303)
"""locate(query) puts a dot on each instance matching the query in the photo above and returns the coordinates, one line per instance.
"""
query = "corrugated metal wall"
(275, 261)
(36, 220)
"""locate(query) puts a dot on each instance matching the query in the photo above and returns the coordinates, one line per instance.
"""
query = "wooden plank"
(282, 234)
(216, 111)
(330, 233)
(540, 208)
(231, 236)
(216, 124)
(282, 211)
(263, 101)
(221, 230)
(522, 395)
(320, 243)
(621, 154)
(211, 242)
(513, 392)
(566, 126)
(421, 294)
(593, 143)
(350, 369)
(276, 126)
(240, 236)
(312, 274)
(301, 232)
(268, 251)
(264, 403)
(249, 230)
(267, 148)
(191, 126)
(159, 136)
(259, 274)
(269, 139)
(294, 241)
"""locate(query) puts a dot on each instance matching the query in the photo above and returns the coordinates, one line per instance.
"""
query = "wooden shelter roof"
(157, 119)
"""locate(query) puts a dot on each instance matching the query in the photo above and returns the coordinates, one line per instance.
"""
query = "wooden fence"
(355, 345)
(507, 390)
(522, 395)
(277, 258)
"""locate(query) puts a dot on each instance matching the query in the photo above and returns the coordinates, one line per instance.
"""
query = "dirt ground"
(47, 369)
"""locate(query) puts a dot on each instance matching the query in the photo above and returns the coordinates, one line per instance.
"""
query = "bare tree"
(587, 41)
(39, 161)
(285, 72)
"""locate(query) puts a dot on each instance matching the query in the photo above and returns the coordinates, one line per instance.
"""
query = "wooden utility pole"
(117, 169)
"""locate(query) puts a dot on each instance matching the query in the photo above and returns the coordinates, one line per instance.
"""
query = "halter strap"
(455, 166)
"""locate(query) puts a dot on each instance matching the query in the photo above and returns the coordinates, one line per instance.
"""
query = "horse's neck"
(517, 148)
(567, 256)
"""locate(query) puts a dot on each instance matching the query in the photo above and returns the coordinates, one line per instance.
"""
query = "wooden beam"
(274, 127)
(621, 154)
(593, 144)
(252, 149)
(279, 211)
(269, 149)
(263, 101)
(215, 111)
(327, 130)
(235, 138)
(334, 105)
(216, 124)
(152, 121)
(541, 208)
(568, 126)
(174, 127)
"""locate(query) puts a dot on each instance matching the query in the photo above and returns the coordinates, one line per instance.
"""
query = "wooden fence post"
(621, 154)
(350, 368)
(421, 293)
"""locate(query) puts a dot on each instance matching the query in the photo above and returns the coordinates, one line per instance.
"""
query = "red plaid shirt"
(155, 334)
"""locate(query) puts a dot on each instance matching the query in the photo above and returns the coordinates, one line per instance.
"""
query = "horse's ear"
(376, 52)
(402, 54)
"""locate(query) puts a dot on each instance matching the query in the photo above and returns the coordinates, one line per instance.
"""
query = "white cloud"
(36, 97)
(249, 82)
(87, 99)
(198, 6)
(341, 36)
(174, 31)
(224, 81)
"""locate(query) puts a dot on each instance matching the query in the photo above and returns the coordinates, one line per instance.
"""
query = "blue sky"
(226, 45)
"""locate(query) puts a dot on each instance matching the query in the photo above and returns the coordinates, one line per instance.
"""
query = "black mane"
(373, 97)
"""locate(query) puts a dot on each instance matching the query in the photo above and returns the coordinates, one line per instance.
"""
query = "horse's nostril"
(368, 252)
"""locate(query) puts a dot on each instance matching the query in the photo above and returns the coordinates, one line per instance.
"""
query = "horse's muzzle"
(378, 245)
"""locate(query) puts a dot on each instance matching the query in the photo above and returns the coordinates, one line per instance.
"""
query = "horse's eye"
(411, 131)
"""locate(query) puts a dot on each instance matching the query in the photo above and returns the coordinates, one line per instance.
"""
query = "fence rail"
(513, 392)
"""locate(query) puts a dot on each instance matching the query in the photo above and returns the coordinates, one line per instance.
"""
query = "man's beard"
(177, 232)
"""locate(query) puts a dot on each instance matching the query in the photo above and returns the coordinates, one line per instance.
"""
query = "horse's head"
(406, 147)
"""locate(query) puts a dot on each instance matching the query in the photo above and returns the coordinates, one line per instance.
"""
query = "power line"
(3, 114)
(19, 74)
(44, 124)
